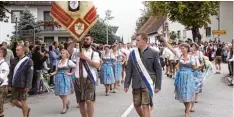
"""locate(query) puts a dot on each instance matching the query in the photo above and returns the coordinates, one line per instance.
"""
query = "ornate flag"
(76, 16)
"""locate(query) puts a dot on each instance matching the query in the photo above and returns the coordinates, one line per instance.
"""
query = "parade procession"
(77, 66)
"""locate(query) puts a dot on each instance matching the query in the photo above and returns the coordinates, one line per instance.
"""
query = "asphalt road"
(215, 101)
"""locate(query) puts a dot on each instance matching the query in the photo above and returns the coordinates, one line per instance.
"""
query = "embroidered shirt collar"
(1, 60)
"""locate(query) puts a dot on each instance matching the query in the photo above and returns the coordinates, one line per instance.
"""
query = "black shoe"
(230, 85)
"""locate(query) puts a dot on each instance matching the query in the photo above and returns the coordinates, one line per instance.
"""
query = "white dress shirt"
(95, 58)
(4, 71)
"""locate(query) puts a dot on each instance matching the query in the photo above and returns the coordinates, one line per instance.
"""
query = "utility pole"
(219, 21)
(16, 27)
(107, 33)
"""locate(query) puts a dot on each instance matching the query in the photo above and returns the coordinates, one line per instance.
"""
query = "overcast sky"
(125, 12)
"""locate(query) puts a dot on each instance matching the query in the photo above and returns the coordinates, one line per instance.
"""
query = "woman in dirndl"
(63, 80)
(106, 72)
(120, 58)
(198, 74)
(184, 79)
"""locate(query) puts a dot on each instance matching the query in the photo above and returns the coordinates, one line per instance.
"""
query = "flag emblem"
(77, 18)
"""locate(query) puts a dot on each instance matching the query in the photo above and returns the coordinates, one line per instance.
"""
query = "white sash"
(143, 73)
(19, 65)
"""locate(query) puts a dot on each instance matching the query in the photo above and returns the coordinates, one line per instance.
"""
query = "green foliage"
(3, 11)
(99, 30)
(189, 13)
(173, 35)
(192, 14)
(26, 25)
(145, 14)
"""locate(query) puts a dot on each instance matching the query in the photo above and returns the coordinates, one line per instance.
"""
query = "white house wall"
(226, 20)
(6, 29)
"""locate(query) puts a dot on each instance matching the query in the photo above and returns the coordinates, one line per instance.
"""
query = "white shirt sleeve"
(193, 61)
(71, 64)
(96, 57)
(4, 71)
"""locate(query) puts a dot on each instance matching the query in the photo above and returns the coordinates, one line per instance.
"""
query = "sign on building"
(219, 32)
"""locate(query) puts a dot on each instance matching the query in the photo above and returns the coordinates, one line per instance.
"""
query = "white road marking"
(125, 114)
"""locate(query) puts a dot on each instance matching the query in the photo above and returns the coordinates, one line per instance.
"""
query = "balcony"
(51, 27)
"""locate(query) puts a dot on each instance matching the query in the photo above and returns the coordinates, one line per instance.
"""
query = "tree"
(26, 26)
(145, 14)
(4, 10)
(98, 31)
(173, 35)
(193, 15)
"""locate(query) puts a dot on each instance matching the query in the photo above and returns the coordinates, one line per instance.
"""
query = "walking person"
(117, 67)
(85, 82)
(143, 77)
(184, 79)
(20, 79)
(4, 71)
(63, 79)
(107, 74)
(199, 61)
(218, 59)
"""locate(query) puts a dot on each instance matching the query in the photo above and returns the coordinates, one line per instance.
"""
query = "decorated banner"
(76, 16)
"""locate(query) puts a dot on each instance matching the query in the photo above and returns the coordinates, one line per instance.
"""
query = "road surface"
(215, 101)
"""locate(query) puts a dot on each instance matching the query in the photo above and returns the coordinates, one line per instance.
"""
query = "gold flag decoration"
(76, 16)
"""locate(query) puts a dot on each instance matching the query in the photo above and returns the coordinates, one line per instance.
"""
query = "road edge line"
(125, 114)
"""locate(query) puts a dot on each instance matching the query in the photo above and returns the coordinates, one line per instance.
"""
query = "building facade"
(41, 11)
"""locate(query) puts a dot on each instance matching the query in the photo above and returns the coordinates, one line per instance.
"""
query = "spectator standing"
(9, 54)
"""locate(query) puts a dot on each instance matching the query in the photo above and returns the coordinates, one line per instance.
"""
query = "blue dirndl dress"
(118, 69)
(63, 83)
(106, 72)
(184, 82)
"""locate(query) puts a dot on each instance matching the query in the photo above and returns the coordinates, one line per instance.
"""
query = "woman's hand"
(69, 74)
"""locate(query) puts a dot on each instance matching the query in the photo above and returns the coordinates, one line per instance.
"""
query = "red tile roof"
(152, 25)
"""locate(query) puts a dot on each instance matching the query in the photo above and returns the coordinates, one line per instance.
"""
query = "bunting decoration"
(77, 17)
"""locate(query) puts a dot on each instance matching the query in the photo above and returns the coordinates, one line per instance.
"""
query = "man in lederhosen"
(151, 62)
(85, 82)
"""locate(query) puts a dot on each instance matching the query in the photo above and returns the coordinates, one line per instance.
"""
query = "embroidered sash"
(19, 67)
(143, 73)
(87, 68)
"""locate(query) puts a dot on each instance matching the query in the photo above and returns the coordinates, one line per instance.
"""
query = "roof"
(35, 3)
(152, 24)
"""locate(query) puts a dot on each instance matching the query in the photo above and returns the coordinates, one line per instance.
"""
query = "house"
(225, 21)
(41, 11)
(156, 25)
(153, 26)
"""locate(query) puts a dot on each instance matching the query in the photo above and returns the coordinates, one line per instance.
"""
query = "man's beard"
(86, 45)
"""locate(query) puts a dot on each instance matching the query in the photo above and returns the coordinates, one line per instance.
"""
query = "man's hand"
(126, 89)
(9, 88)
(26, 89)
(82, 56)
(156, 90)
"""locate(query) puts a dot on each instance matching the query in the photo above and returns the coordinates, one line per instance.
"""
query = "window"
(48, 18)
(178, 34)
(208, 31)
(184, 34)
(15, 14)
(48, 41)
(62, 39)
